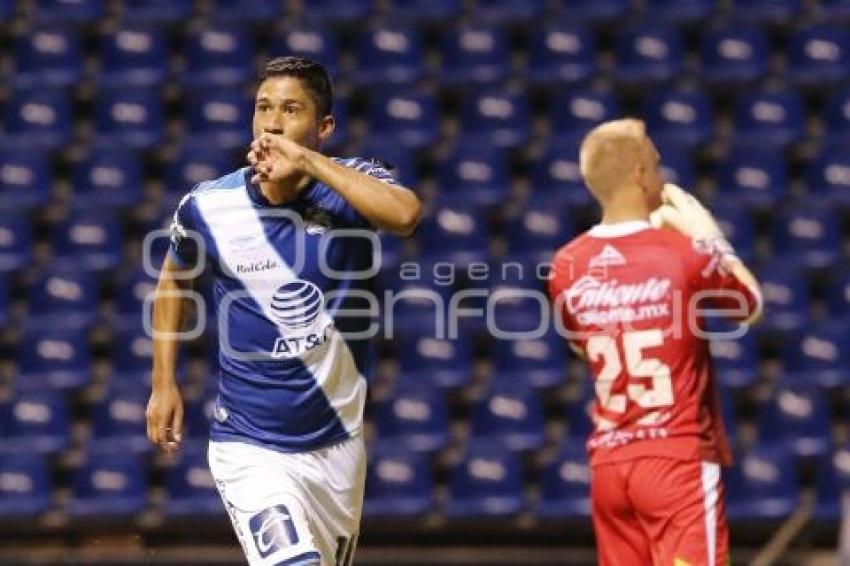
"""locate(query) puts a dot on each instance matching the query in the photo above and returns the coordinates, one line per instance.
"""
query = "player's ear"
(326, 128)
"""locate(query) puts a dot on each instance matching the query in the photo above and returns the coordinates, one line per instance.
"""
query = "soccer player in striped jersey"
(290, 244)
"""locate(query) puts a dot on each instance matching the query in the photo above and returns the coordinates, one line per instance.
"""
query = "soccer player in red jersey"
(630, 295)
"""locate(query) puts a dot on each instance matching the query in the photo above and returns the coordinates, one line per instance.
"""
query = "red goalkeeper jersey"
(631, 299)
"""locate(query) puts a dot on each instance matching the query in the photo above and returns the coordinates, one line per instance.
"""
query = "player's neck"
(284, 191)
(616, 216)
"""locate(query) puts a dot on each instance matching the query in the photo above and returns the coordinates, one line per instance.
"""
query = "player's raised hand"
(274, 157)
(684, 213)
(164, 416)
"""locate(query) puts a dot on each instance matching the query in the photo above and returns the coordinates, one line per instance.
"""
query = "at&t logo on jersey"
(297, 308)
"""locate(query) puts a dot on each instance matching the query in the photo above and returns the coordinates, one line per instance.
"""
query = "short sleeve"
(184, 236)
(710, 276)
(343, 208)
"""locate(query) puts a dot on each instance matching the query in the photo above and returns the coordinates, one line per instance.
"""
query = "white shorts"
(294, 509)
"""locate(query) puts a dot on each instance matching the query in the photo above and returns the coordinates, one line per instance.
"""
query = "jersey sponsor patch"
(273, 529)
(608, 256)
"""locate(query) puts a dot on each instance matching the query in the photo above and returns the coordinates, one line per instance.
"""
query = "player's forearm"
(392, 208)
(746, 278)
(168, 311)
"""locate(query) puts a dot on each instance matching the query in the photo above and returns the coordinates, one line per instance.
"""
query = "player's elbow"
(408, 219)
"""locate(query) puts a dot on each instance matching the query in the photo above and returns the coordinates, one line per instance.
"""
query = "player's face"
(284, 107)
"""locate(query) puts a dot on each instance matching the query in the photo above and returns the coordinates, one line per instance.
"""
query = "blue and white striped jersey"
(291, 376)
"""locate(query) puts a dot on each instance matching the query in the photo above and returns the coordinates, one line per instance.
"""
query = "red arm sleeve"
(715, 286)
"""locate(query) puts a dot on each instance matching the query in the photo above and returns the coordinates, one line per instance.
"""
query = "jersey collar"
(259, 198)
(618, 229)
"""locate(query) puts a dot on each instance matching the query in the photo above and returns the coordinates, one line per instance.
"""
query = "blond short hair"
(609, 154)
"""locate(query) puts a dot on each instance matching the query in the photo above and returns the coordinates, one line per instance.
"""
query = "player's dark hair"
(313, 76)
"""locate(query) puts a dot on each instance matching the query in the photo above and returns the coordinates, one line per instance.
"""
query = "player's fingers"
(177, 423)
(675, 195)
(669, 216)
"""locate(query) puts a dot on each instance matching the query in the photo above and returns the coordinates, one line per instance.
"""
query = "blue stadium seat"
(798, 417)
(648, 55)
(415, 414)
(62, 297)
(755, 177)
(819, 355)
(25, 487)
(38, 119)
(341, 128)
(132, 119)
(766, 11)
(133, 55)
(411, 119)
(118, 421)
(762, 485)
(53, 358)
(132, 288)
(542, 363)
(682, 119)
(78, 11)
(156, 12)
(428, 11)
(498, 117)
(836, 117)
(828, 174)
(392, 249)
(565, 484)
(456, 233)
(219, 56)
(734, 56)
(768, 119)
(818, 56)
(828, 489)
(561, 54)
(839, 294)
(677, 166)
(441, 361)
(4, 302)
(808, 231)
(132, 355)
(556, 177)
(318, 43)
(418, 304)
(336, 12)
(88, 240)
(473, 54)
(538, 231)
(735, 360)
(579, 411)
(220, 119)
(517, 313)
(25, 179)
(511, 414)
(48, 56)
(680, 11)
(190, 487)
(508, 12)
(841, 465)
(399, 482)
(199, 410)
(109, 485)
(786, 296)
(15, 242)
(253, 11)
(191, 166)
(576, 113)
(600, 11)
(474, 174)
(38, 422)
(107, 179)
(487, 482)
(7, 10)
(737, 226)
(833, 10)
(389, 55)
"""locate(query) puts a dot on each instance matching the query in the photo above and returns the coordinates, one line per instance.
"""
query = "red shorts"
(659, 512)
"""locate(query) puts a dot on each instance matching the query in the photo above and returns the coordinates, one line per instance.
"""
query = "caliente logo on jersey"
(297, 308)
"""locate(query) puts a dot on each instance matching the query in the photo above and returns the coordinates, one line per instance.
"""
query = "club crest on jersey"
(297, 309)
(608, 256)
(317, 221)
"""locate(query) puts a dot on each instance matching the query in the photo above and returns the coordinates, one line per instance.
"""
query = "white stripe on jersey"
(232, 219)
